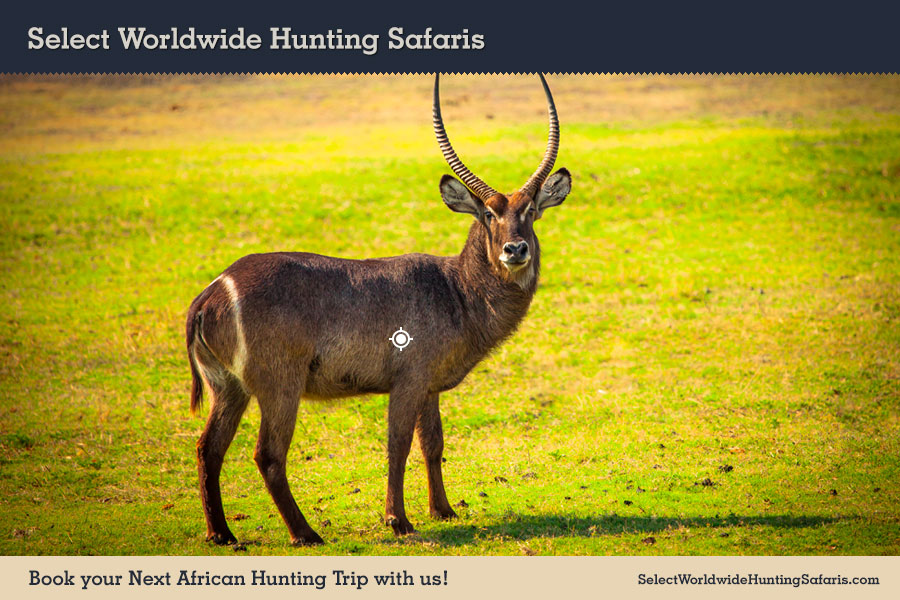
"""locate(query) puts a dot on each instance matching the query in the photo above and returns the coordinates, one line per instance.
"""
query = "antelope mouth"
(515, 264)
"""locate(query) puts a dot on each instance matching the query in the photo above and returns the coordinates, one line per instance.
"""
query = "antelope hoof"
(444, 515)
(400, 526)
(222, 539)
(310, 539)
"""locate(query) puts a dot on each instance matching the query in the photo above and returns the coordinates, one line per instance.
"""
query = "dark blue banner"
(462, 37)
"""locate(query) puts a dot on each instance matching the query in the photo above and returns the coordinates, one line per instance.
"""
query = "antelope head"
(508, 219)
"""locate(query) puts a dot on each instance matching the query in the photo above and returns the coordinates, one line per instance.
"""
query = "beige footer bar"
(462, 578)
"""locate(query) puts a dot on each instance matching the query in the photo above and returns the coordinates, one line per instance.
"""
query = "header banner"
(462, 37)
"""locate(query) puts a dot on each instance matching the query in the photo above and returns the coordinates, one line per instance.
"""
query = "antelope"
(288, 325)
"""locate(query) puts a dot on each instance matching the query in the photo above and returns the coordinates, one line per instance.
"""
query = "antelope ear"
(554, 191)
(459, 199)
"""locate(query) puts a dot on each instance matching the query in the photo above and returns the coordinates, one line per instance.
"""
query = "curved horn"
(552, 146)
(480, 188)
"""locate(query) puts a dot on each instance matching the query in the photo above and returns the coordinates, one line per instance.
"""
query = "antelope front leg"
(431, 439)
(403, 409)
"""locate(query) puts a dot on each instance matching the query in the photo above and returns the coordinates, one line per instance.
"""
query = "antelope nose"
(516, 250)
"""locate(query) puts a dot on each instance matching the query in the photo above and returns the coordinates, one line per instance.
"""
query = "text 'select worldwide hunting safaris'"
(286, 325)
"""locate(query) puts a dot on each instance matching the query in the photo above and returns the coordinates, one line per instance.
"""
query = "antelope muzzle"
(515, 255)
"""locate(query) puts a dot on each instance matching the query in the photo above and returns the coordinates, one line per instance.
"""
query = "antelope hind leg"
(279, 414)
(229, 400)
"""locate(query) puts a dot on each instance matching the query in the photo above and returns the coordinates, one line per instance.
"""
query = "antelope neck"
(497, 305)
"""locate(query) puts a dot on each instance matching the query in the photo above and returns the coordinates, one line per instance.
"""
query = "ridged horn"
(546, 165)
(480, 188)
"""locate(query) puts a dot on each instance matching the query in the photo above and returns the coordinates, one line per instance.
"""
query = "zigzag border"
(595, 73)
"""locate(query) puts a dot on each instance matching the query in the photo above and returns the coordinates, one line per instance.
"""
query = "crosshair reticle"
(400, 339)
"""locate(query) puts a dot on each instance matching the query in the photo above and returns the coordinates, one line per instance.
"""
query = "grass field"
(711, 364)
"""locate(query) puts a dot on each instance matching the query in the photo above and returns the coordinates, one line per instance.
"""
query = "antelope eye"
(488, 216)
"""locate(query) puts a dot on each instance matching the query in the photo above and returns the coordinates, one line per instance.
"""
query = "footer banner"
(450, 577)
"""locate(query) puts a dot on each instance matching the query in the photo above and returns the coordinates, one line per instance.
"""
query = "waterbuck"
(286, 325)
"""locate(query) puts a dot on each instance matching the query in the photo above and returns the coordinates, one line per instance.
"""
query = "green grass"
(712, 359)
